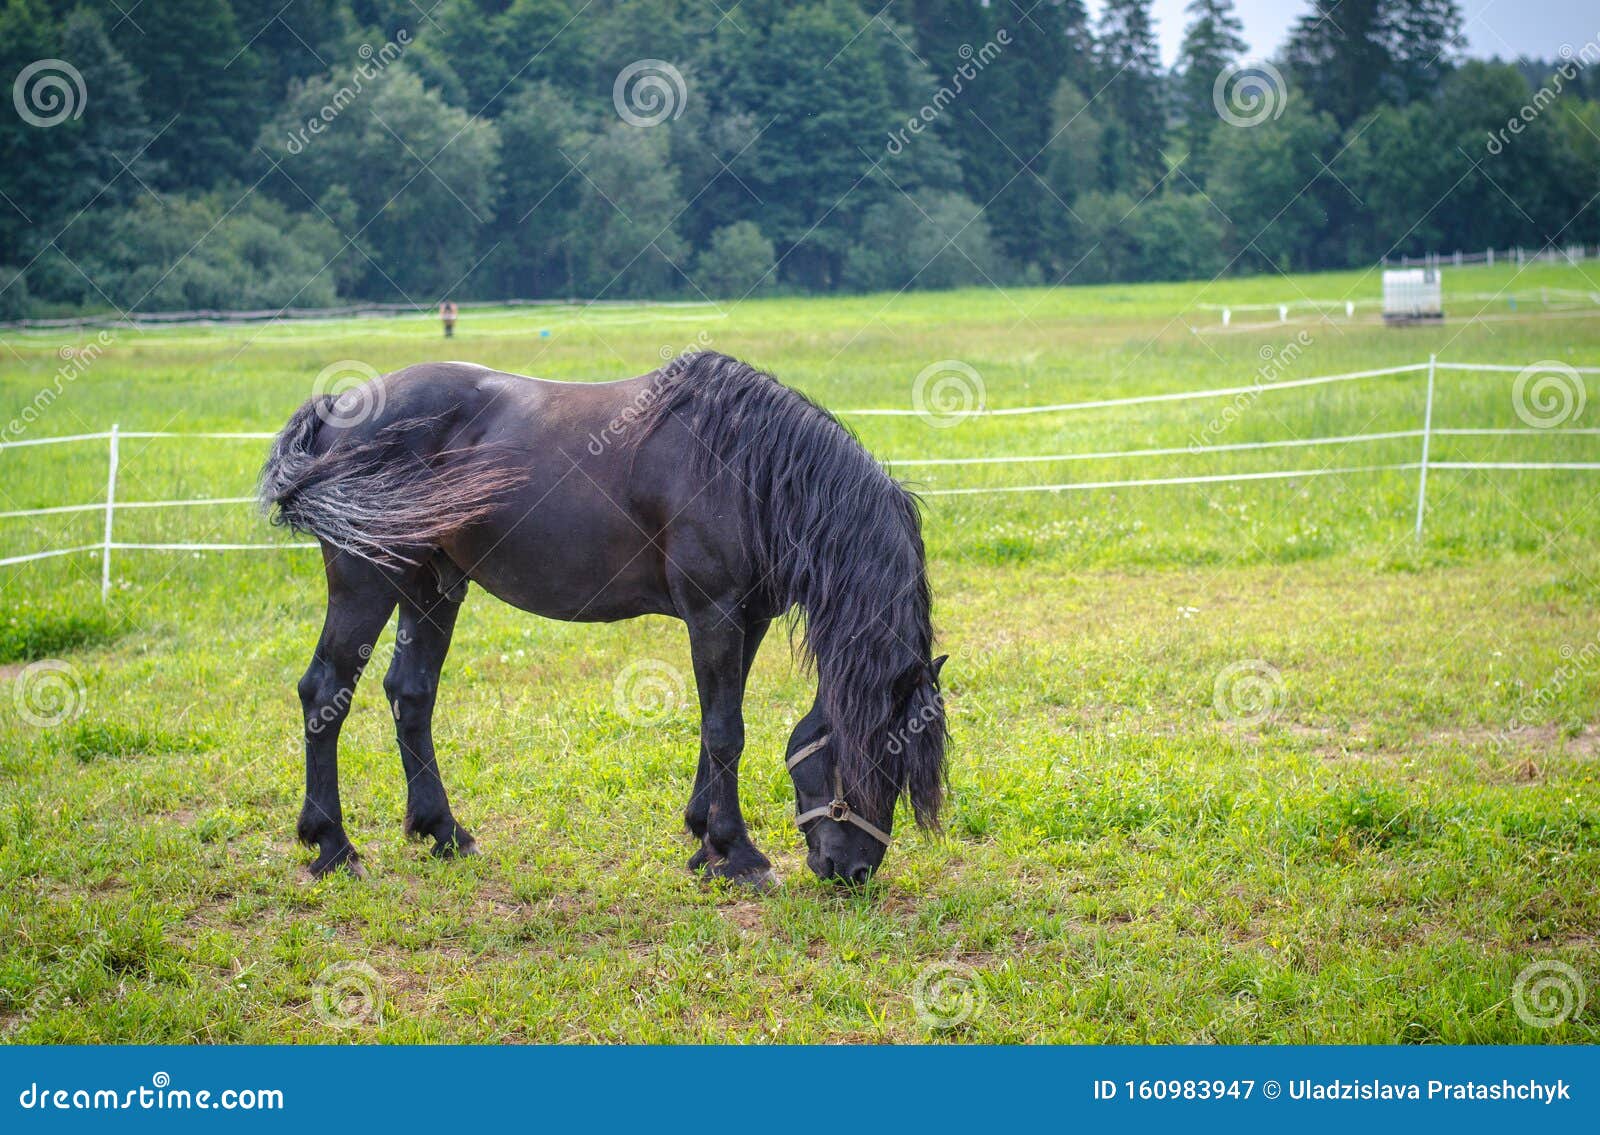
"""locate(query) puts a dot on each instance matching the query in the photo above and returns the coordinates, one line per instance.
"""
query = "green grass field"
(1232, 762)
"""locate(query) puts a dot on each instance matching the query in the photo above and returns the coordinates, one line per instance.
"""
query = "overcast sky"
(1506, 28)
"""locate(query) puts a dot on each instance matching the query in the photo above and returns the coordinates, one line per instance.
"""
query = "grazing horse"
(704, 490)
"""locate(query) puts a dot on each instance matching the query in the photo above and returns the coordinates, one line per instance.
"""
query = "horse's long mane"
(829, 532)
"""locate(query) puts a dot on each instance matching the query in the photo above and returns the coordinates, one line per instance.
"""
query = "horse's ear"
(918, 674)
(906, 684)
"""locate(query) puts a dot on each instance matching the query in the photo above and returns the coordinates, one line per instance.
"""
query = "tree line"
(251, 154)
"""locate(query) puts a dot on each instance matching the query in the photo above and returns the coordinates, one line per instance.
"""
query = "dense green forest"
(254, 154)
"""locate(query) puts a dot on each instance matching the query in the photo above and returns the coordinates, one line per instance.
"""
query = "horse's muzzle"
(846, 873)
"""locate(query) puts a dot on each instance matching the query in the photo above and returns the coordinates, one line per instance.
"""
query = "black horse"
(704, 490)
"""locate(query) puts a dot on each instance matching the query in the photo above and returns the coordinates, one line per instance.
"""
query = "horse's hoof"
(758, 882)
(327, 865)
(455, 850)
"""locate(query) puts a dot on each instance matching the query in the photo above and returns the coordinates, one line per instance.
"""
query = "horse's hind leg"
(360, 599)
(412, 683)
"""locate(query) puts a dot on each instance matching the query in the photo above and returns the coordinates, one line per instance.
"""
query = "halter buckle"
(838, 810)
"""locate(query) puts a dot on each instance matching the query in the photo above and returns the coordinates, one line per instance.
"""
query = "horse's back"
(576, 539)
(470, 403)
(594, 513)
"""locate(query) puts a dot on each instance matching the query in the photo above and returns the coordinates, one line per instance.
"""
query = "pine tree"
(1001, 125)
(1130, 69)
(48, 175)
(1212, 43)
(1423, 36)
(296, 39)
(816, 76)
(201, 86)
(1349, 56)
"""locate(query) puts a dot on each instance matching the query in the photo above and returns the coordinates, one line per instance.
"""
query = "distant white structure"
(1411, 294)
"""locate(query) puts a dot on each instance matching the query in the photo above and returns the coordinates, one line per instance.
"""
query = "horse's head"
(847, 829)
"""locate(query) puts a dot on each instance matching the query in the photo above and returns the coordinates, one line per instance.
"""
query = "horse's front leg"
(697, 813)
(717, 644)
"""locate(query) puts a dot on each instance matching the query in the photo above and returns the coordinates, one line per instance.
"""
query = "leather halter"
(836, 809)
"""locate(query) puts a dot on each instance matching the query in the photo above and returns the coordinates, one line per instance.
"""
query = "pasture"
(1232, 762)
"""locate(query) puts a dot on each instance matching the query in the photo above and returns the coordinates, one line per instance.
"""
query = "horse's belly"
(578, 564)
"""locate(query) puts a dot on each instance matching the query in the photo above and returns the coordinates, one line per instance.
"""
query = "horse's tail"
(382, 498)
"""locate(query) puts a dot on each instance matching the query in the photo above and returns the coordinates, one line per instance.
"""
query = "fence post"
(1427, 433)
(111, 508)
(1490, 259)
